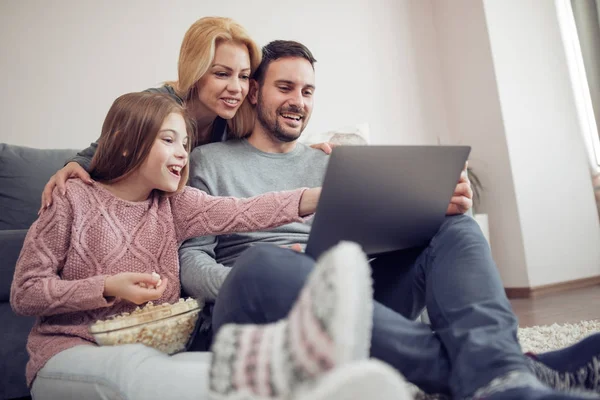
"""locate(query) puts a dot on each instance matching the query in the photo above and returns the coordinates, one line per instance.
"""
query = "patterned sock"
(574, 367)
(328, 326)
(523, 385)
(364, 379)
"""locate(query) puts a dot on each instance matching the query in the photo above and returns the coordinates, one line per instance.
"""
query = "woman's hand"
(135, 287)
(71, 170)
(309, 201)
(324, 147)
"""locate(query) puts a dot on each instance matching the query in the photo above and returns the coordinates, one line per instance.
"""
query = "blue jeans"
(473, 333)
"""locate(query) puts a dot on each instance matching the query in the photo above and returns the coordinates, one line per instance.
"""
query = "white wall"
(508, 94)
(475, 118)
(555, 199)
(64, 62)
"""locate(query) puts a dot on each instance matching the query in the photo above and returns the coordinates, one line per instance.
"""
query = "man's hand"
(462, 199)
(135, 287)
(71, 170)
(324, 147)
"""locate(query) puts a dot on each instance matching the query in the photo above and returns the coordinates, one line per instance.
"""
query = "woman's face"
(224, 86)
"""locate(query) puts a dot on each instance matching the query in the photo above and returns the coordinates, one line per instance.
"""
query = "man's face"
(284, 102)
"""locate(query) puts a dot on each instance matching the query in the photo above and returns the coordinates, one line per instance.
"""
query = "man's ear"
(253, 92)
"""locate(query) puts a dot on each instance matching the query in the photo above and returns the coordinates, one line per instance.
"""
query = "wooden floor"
(570, 306)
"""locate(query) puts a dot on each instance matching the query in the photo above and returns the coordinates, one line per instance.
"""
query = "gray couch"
(23, 173)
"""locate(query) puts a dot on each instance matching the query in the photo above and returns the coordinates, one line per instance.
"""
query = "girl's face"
(162, 169)
(224, 86)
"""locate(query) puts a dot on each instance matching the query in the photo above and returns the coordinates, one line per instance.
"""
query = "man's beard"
(272, 125)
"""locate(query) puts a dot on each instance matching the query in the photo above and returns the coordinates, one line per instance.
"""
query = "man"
(473, 352)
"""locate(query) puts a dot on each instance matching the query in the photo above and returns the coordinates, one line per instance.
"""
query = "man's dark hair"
(280, 49)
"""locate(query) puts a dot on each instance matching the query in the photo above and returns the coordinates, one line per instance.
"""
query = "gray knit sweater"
(236, 168)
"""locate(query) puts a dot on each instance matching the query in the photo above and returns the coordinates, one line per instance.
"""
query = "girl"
(91, 255)
(216, 60)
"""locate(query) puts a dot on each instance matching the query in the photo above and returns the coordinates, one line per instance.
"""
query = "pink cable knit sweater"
(89, 234)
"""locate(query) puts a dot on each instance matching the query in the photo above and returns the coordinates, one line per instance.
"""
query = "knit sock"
(364, 379)
(523, 385)
(328, 326)
(574, 367)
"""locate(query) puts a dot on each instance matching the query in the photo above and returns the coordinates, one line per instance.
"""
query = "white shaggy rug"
(538, 339)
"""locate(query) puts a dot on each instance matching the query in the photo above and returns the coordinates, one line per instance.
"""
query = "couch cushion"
(14, 331)
(11, 243)
(23, 173)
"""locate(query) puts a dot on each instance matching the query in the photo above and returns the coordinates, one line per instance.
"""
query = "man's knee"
(258, 265)
(262, 286)
(460, 229)
(269, 267)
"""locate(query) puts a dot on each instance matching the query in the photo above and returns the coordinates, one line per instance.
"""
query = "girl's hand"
(71, 170)
(296, 247)
(135, 287)
(309, 201)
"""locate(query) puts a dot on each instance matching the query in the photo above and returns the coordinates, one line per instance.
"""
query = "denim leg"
(468, 307)
(411, 348)
(265, 282)
(262, 286)
(399, 287)
(399, 281)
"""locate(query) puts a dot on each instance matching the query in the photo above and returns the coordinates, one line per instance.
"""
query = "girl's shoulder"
(186, 192)
(189, 198)
(75, 188)
(79, 192)
(76, 195)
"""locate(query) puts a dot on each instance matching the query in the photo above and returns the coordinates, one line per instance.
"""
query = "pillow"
(346, 136)
(24, 172)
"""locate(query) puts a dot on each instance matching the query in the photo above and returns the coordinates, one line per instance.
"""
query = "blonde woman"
(216, 61)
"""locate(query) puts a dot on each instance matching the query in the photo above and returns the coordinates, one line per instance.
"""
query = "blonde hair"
(197, 53)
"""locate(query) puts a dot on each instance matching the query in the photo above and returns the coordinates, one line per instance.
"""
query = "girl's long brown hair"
(129, 132)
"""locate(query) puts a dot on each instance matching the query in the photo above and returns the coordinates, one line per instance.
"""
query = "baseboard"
(530, 292)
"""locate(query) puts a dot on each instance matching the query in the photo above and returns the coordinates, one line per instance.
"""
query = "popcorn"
(166, 327)
(155, 275)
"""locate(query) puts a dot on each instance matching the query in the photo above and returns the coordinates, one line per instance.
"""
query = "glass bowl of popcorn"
(165, 327)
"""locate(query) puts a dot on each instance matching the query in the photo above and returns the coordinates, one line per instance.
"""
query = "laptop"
(385, 198)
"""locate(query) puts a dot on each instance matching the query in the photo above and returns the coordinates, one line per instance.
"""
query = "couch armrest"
(11, 242)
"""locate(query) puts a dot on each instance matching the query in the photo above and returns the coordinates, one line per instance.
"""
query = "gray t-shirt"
(236, 168)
